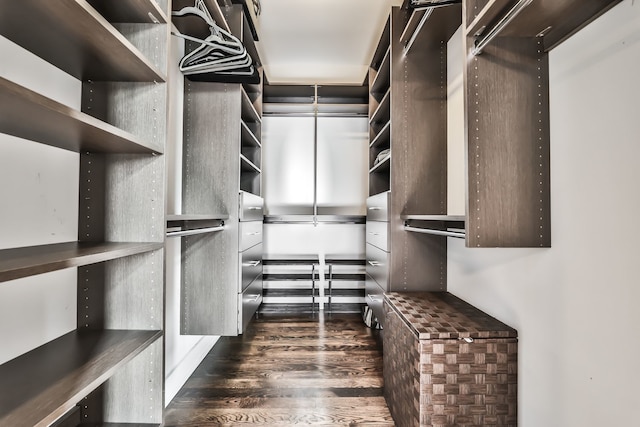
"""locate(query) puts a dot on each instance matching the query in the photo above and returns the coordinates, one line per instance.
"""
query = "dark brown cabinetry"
(222, 272)
(112, 362)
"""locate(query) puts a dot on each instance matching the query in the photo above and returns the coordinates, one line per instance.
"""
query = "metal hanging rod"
(431, 4)
(497, 29)
(456, 234)
(194, 231)
(414, 36)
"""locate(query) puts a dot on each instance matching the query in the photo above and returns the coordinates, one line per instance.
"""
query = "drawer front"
(250, 234)
(249, 302)
(250, 266)
(378, 266)
(378, 234)
(251, 207)
(374, 296)
(378, 207)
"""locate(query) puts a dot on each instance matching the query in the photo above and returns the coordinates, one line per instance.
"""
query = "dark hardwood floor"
(288, 370)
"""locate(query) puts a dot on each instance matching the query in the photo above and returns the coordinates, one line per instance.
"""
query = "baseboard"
(176, 379)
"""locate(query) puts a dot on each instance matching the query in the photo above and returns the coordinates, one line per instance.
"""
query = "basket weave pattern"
(453, 382)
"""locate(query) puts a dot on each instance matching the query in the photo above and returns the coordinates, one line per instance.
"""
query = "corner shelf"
(249, 113)
(60, 126)
(247, 165)
(383, 112)
(68, 368)
(248, 137)
(383, 138)
(28, 261)
(75, 38)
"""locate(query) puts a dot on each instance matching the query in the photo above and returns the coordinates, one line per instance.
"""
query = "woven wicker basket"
(446, 363)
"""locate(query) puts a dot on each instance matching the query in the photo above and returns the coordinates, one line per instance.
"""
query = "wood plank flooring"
(288, 370)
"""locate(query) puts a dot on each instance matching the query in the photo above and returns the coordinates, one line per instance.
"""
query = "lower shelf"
(43, 384)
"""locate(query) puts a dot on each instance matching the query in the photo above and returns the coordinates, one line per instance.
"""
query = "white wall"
(38, 205)
(574, 305)
(183, 353)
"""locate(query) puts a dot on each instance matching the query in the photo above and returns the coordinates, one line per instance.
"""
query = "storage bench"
(447, 363)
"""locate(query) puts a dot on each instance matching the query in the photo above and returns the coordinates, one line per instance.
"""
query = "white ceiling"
(320, 41)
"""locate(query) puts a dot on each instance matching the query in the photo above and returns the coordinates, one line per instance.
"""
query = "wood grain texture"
(288, 370)
(32, 260)
(61, 126)
(131, 11)
(508, 145)
(67, 369)
(74, 37)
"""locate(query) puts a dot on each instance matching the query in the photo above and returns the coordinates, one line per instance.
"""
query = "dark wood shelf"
(445, 218)
(43, 384)
(382, 81)
(60, 126)
(383, 112)
(557, 19)
(130, 11)
(196, 217)
(383, 138)
(32, 260)
(247, 165)
(248, 137)
(74, 37)
(383, 46)
(194, 25)
(383, 166)
(249, 114)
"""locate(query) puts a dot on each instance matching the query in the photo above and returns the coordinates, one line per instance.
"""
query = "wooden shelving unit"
(68, 367)
(507, 161)
(222, 170)
(61, 126)
(112, 361)
(77, 39)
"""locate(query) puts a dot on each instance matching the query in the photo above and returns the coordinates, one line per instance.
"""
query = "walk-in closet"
(321, 212)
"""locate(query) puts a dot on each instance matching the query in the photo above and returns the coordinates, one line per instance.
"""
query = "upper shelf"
(248, 138)
(383, 46)
(249, 113)
(42, 385)
(194, 25)
(131, 11)
(74, 37)
(60, 126)
(556, 20)
(381, 83)
(32, 260)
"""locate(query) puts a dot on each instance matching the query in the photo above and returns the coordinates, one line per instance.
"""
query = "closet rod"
(497, 29)
(194, 231)
(414, 36)
(432, 4)
(457, 234)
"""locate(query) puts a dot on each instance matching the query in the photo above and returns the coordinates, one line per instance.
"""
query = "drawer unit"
(378, 234)
(250, 234)
(250, 265)
(251, 207)
(447, 363)
(378, 266)
(374, 296)
(249, 301)
(378, 207)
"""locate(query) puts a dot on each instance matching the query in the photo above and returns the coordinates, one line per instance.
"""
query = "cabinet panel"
(378, 234)
(250, 234)
(249, 302)
(374, 296)
(378, 266)
(378, 207)
(250, 265)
